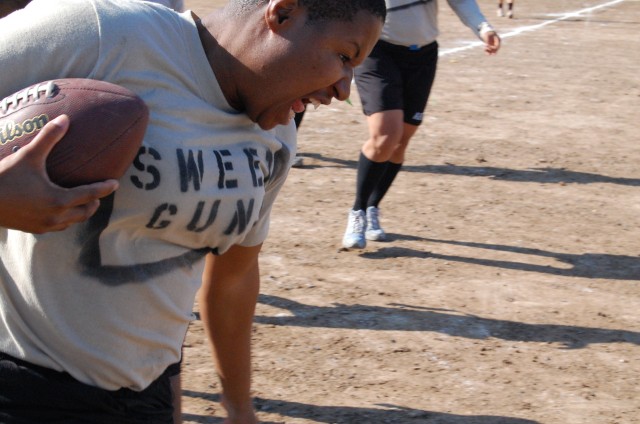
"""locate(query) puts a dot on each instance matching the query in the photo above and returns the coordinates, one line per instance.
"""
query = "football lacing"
(48, 88)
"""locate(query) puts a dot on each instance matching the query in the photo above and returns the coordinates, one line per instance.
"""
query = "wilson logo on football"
(11, 131)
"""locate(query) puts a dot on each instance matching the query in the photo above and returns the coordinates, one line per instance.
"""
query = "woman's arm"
(227, 302)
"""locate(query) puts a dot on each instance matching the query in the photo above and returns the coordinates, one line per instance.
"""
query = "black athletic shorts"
(397, 77)
(30, 394)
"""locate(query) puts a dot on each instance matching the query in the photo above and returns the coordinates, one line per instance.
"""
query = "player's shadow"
(382, 413)
(400, 317)
(536, 175)
(582, 265)
(533, 175)
(326, 161)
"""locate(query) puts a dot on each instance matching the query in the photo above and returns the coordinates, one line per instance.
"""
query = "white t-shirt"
(415, 22)
(177, 5)
(109, 300)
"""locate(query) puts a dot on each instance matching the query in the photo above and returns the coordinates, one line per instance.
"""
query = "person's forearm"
(227, 309)
(469, 13)
(231, 343)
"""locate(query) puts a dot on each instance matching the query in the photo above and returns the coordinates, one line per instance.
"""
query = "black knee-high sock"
(369, 173)
(390, 173)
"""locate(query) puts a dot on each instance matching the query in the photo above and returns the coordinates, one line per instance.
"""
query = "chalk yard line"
(518, 31)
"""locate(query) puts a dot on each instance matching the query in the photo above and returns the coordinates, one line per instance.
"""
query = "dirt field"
(509, 292)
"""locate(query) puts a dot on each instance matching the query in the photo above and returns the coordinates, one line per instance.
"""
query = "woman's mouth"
(300, 105)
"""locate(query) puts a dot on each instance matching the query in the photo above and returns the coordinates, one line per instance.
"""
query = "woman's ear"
(279, 12)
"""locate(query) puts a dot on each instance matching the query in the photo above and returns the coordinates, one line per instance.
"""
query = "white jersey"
(109, 300)
(415, 22)
(177, 5)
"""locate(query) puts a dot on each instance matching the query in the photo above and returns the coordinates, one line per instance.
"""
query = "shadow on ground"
(532, 175)
(400, 317)
(382, 413)
(582, 265)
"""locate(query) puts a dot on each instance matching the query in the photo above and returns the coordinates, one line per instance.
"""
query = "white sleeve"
(469, 13)
(47, 40)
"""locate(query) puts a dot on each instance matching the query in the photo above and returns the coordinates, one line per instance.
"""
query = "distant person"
(500, 12)
(394, 83)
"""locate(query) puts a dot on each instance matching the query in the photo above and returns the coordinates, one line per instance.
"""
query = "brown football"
(107, 125)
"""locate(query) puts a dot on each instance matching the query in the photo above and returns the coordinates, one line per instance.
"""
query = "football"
(107, 125)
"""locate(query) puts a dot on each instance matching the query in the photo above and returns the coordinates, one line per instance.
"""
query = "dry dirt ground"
(509, 292)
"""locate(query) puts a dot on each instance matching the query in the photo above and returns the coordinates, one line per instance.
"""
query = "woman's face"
(311, 63)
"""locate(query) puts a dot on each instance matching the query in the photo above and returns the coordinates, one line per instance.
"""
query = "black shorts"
(397, 77)
(30, 394)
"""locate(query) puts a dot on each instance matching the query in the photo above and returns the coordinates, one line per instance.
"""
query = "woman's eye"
(344, 58)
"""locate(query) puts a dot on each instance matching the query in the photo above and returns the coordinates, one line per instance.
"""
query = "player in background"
(394, 83)
(92, 318)
(500, 12)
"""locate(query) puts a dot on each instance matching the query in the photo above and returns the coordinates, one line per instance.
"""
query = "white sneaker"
(510, 14)
(356, 226)
(374, 231)
(500, 13)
